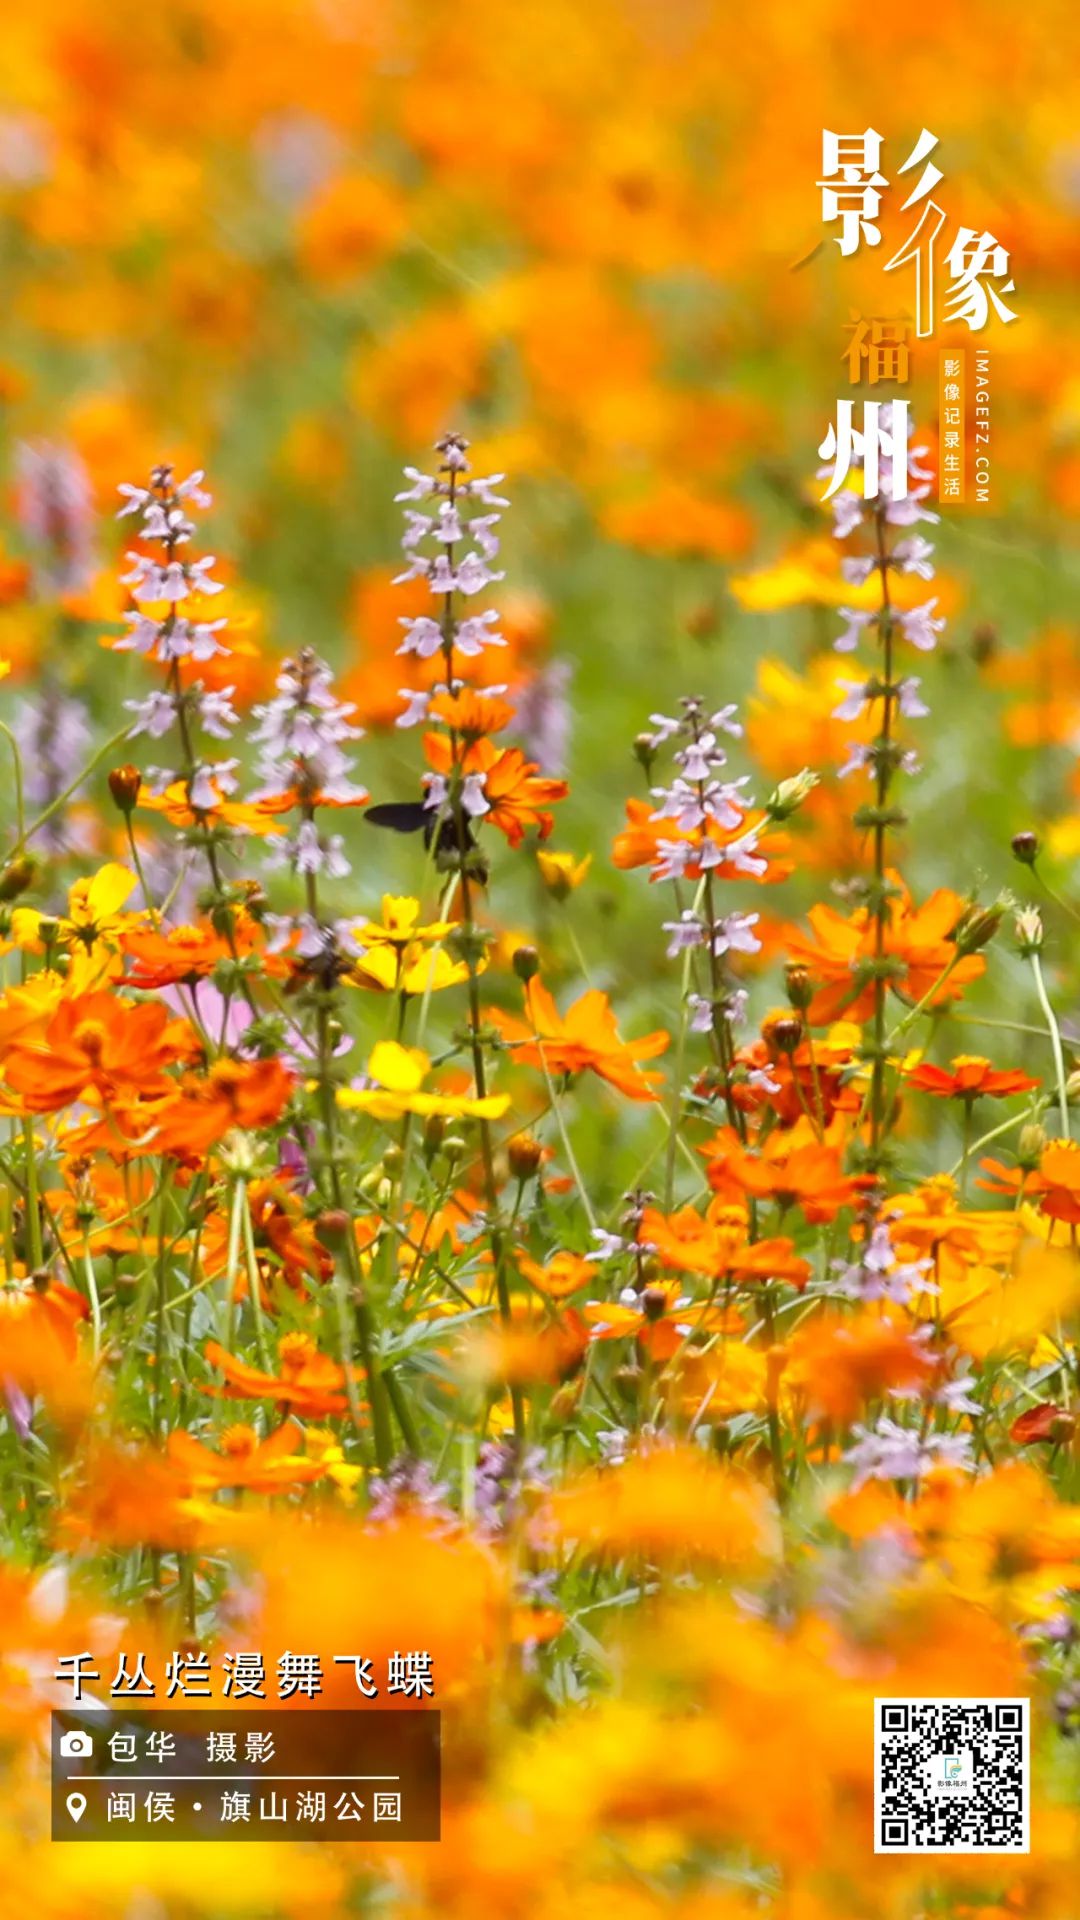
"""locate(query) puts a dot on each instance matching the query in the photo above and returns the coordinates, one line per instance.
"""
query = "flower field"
(539, 957)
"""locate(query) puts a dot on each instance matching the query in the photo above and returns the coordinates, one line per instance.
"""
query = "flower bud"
(800, 990)
(524, 1154)
(782, 1031)
(17, 876)
(702, 620)
(645, 752)
(526, 963)
(977, 926)
(984, 641)
(332, 1228)
(1029, 1147)
(1025, 847)
(1029, 931)
(124, 784)
(564, 1403)
(789, 796)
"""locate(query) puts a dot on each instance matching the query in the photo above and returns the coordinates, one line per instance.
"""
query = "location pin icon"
(76, 1805)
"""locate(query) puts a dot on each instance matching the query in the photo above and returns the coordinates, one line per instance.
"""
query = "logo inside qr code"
(951, 1776)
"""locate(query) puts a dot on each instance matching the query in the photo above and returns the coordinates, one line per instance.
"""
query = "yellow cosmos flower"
(398, 926)
(560, 872)
(94, 913)
(394, 959)
(399, 1073)
(322, 1445)
(410, 970)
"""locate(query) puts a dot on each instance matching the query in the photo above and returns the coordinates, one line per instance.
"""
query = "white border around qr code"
(964, 1700)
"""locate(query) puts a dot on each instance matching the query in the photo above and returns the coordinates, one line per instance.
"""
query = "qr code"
(951, 1776)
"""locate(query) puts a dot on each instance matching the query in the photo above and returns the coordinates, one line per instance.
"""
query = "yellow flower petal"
(398, 1069)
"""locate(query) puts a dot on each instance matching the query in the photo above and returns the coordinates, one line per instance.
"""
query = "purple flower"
(735, 934)
(543, 715)
(55, 505)
(687, 932)
(918, 626)
(913, 556)
(892, 1452)
(856, 621)
(847, 508)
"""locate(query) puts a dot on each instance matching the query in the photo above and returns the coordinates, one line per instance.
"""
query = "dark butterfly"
(411, 816)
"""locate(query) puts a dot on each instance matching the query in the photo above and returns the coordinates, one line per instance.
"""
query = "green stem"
(1055, 1042)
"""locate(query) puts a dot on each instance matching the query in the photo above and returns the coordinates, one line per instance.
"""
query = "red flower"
(971, 1077)
(1044, 1422)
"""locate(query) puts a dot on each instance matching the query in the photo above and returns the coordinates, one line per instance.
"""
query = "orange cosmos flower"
(471, 714)
(717, 1246)
(264, 1466)
(839, 1364)
(971, 1077)
(930, 1220)
(669, 1502)
(231, 1093)
(564, 1274)
(812, 1080)
(662, 1319)
(517, 794)
(531, 1349)
(916, 940)
(1056, 1184)
(96, 1047)
(132, 1497)
(308, 1381)
(1047, 671)
(241, 815)
(186, 954)
(792, 1167)
(586, 1038)
(39, 1328)
(286, 1245)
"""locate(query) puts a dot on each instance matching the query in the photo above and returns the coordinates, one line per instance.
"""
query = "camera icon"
(75, 1746)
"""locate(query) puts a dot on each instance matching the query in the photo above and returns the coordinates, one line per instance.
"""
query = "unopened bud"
(524, 1154)
(789, 796)
(625, 1381)
(984, 642)
(1029, 931)
(526, 963)
(1029, 1147)
(124, 784)
(564, 1403)
(17, 876)
(1025, 847)
(977, 926)
(702, 620)
(645, 752)
(332, 1228)
(782, 1031)
(800, 990)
